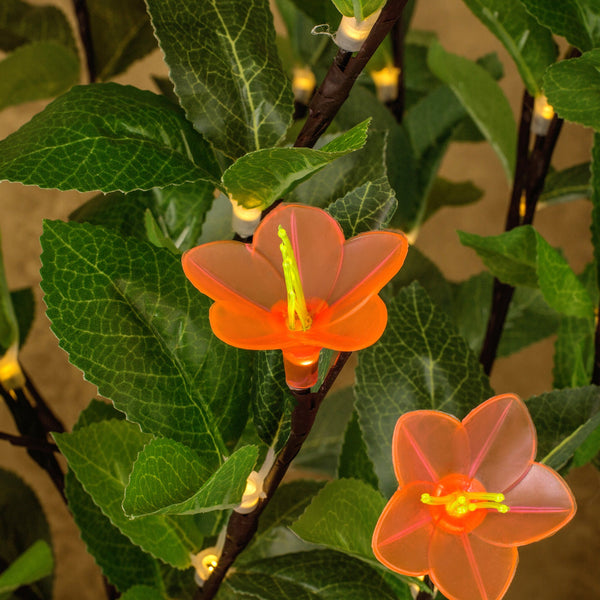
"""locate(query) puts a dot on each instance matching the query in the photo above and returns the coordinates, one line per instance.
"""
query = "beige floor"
(562, 567)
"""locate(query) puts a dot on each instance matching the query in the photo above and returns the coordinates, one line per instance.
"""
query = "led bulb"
(11, 375)
(352, 32)
(543, 113)
(303, 84)
(205, 563)
(386, 83)
(244, 220)
(254, 486)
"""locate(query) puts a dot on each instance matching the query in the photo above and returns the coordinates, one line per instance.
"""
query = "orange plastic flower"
(299, 287)
(469, 494)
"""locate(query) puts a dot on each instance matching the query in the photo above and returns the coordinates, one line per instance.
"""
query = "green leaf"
(572, 88)
(367, 208)
(22, 524)
(595, 184)
(179, 210)
(450, 193)
(577, 20)
(483, 99)
(354, 460)
(34, 564)
(107, 137)
(574, 352)
(22, 23)
(241, 99)
(123, 563)
(102, 456)
(9, 326)
(143, 592)
(272, 403)
(359, 9)
(121, 34)
(273, 536)
(342, 517)
(36, 71)
(259, 178)
(23, 302)
(420, 362)
(319, 575)
(567, 185)
(97, 411)
(170, 479)
(130, 320)
(319, 11)
(563, 420)
(530, 44)
(588, 450)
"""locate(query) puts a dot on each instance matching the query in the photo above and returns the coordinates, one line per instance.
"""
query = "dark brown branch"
(241, 528)
(398, 33)
(340, 78)
(85, 34)
(47, 417)
(31, 443)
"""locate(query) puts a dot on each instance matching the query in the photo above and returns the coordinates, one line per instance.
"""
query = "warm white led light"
(244, 221)
(352, 32)
(543, 113)
(386, 83)
(303, 84)
(11, 375)
(254, 486)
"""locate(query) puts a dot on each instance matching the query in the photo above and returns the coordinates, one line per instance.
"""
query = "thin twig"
(47, 417)
(241, 528)
(31, 443)
(398, 33)
(85, 34)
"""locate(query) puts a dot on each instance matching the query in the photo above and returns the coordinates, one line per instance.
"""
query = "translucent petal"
(317, 241)
(464, 567)
(428, 445)
(540, 504)
(370, 261)
(502, 440)
(349, 331)
(234, 272)
(401, 537)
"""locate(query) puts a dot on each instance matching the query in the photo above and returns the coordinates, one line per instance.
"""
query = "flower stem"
(85, 35)
(242, 527)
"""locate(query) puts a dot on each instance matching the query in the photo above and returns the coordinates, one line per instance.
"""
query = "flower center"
(460, 504)
(298, 315)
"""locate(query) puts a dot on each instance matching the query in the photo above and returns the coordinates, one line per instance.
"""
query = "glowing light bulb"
(352, 33)
(386, 83)
(205, 563)
(254, 486)
(11, 375)
(543, 113)
(244, 221)
(303, 84)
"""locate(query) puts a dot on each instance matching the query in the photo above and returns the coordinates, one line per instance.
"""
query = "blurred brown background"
(565, 566)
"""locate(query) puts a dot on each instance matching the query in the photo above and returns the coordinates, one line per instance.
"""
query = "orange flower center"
(459, 503)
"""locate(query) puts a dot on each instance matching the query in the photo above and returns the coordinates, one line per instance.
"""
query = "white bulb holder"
(543, 113)
(254, 486)
(206, 561)
(352, 33)
(386, 83)
(303, 84)
(244, 221)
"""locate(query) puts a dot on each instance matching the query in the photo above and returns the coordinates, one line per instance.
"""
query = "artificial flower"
(469, 494)
(299, 287)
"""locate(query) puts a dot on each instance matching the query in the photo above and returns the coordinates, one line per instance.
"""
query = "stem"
(50, 421)
(398, 33)
(28, 442)
(423, 595)
(85, 34)
(241, 528)
(340, 78)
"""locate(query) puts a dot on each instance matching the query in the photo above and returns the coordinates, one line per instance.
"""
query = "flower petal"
(234, 272)
(349, 331)
(428, 445)
(401, 537)
(464, 567)
(540, 504)
(502, 440)
(247, 326)
(317, 240)
(370, 260)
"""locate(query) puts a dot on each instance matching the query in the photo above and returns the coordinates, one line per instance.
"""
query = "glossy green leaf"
(272, 403)
(259, 178)
(102, 456)
(572, 88)
(22, 524)
(37, 71)
(420, 362)
(155, 235)
(530, 44)
(318, 575)
(563, 420)
(143, 592)
(240, 99)
(567, 185)
(170, 479)
(483, 99)
(9, 326)
(121, 34)
(97, 411)
(23, 302)
(359, 9)
(577, 20)
(450, 193)
(34, 564)
(274, 536)
(130, 320)
(366, 208)
(354, 460)
(107, 137)
(23, 23)
(574, 352)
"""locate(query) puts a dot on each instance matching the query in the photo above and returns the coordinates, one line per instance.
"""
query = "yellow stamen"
(459, 504)
(295, 293)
